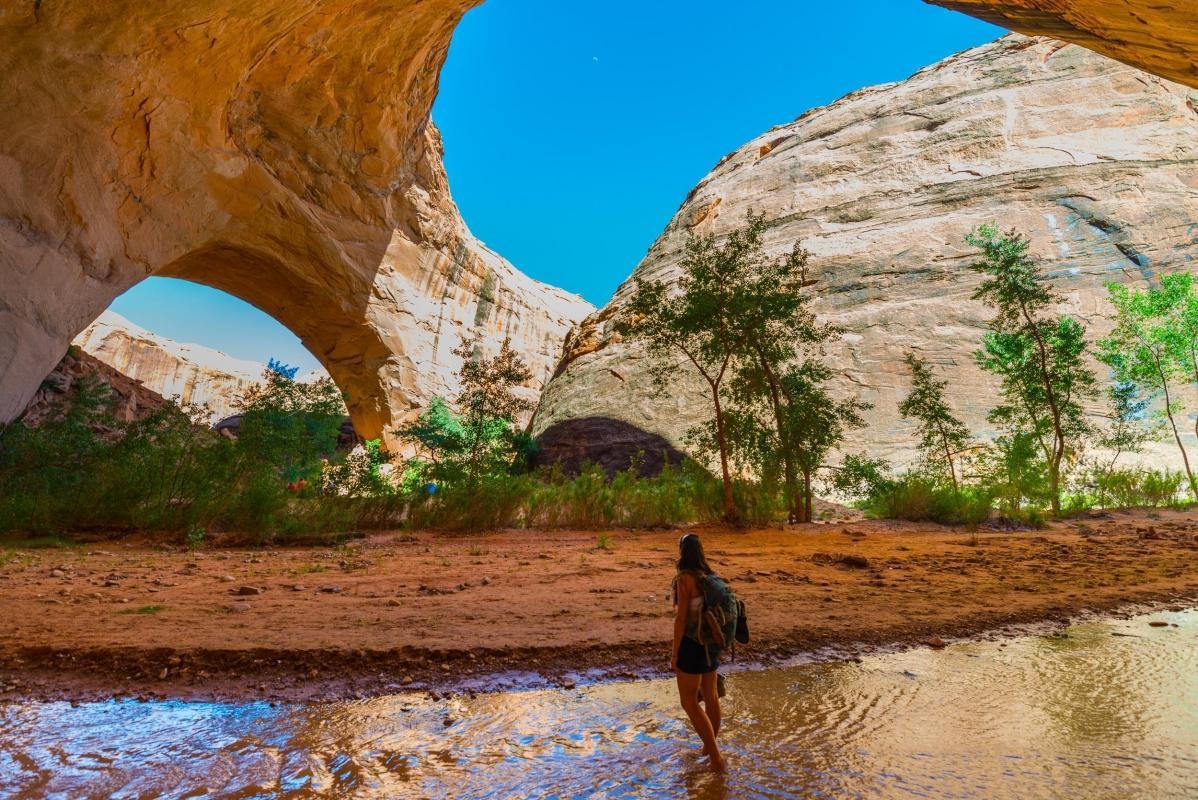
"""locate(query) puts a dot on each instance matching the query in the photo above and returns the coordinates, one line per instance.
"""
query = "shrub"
(920, 498)
(1127, 488)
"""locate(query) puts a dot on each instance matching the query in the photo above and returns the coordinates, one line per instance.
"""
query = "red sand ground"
(426, 610)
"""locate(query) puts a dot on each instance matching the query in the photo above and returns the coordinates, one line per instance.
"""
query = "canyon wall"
(192, 373)
(278, 151)
(1095, 161)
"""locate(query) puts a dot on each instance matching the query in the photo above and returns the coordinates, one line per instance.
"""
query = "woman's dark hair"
(690, 555)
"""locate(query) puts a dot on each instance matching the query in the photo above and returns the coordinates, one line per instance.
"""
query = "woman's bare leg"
(688, 693)
(711, 699)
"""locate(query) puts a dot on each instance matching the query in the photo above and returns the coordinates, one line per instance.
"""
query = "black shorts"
(693, 658)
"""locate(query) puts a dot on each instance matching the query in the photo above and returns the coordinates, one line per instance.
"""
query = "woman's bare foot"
(717, 763)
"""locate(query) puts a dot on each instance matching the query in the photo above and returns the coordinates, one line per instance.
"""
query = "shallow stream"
(1106, 710)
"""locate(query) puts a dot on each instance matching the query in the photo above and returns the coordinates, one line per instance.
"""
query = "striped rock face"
(279, 151)
(1097, 162)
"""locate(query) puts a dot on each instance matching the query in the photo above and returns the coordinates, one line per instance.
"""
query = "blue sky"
(573, 130)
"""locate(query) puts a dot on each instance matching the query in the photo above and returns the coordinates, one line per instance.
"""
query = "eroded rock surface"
(192, 373)
(128, 399)
(1096, 161)
(610, 444)
(1160, 36)
(278, 151)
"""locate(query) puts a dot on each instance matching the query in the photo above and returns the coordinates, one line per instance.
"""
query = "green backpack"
(717, 628)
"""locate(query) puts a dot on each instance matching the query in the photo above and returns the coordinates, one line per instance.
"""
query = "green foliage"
(1014, 471)
(1102, 487)
(482, 439)
(943, 438)
(1152, 347)
(860, 477)
(489, 408)
(732, 304)
(291, 425)
(924, 498)
(1040, 358)
(589, 500)
(168, 473)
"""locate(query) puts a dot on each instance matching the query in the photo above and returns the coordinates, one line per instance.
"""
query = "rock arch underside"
(283, 152)
(279, 151)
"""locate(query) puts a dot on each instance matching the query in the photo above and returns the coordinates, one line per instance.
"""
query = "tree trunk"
(807, 503)
(722, 440)
(948, 456)
(1058, 450)
(788, 467)
(1185, 459)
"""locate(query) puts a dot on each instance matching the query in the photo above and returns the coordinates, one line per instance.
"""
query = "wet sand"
(439, 612)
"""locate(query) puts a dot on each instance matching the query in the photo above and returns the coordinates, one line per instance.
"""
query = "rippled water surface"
(1108, 711)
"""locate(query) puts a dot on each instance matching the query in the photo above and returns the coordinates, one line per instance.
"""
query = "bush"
(550, 499)
(1127, 488)
(82, 469)
(920, 498)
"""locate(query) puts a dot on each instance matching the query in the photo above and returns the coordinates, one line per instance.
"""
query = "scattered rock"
(248, 591)
(57, 573)
(850, 560)
(240, 608)
(1158, 623)
(935, 643)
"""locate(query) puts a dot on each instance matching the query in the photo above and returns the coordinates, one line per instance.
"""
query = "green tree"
(289, 424)
(730, 303)
(1148, 349)
(1039, 356)
(942, 436)
(1130, 426)
(488, 407)
(436, 435)
(813, 423)
(783, 329)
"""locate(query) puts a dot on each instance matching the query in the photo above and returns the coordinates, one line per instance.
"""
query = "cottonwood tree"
(730, 300)
(1131, 426)
(1039, 356)
(482, 437)
(814, 423)
(943, 437)
(1151, 344)
(487, 405)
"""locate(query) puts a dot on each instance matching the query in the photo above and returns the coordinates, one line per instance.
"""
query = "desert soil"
(439, 612)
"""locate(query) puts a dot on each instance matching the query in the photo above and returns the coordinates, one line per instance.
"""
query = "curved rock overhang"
(1159, 36)
(279, 151)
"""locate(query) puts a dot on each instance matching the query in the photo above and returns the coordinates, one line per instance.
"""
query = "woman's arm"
(683, 594)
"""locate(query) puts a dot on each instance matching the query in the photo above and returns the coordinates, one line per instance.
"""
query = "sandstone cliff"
(192, 373)
(279, 151)
(128, 399)
(1096, 161)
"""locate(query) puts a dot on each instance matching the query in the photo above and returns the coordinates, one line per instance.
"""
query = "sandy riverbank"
(423, 610)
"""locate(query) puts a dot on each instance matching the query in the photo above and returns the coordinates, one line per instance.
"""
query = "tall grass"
(550, 499)
(920, 498)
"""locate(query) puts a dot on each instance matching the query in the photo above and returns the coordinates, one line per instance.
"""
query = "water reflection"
(1089, 715)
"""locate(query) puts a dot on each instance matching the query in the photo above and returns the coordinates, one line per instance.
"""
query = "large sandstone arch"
(278, 151)
(282, 151)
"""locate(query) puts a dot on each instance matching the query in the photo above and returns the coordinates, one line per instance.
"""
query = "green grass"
(142, 610)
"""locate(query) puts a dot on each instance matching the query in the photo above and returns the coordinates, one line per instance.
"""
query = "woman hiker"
(693, 663)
